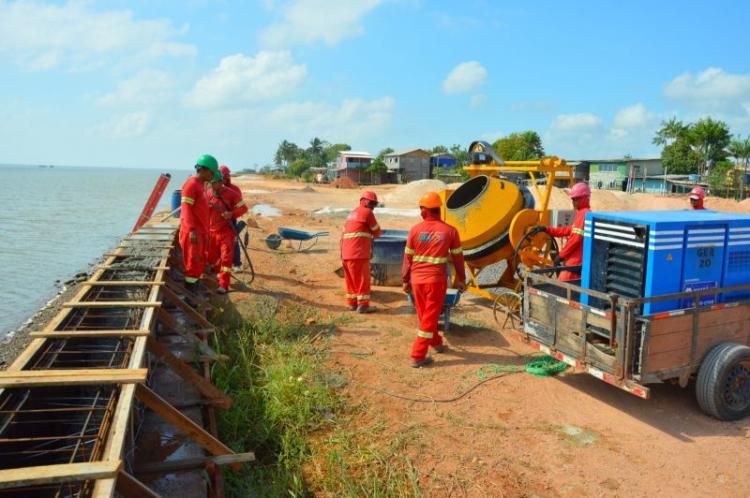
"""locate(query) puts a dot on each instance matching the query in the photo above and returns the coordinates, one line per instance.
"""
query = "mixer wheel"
(507, 307)
(535, 250)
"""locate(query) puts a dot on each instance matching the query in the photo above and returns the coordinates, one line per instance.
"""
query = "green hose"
(542, 366)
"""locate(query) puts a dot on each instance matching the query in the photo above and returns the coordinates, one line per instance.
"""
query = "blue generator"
(652, 253)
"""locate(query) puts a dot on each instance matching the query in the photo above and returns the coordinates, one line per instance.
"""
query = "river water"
(56, 221)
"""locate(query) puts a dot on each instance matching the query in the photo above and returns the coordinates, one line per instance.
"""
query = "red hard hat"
(370, 196)
(698, 193)
(579, 190)
(224, 171)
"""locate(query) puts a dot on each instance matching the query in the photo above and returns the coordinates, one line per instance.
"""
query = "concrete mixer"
(493, 212)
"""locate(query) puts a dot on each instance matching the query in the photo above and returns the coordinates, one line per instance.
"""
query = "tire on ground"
(724, 368)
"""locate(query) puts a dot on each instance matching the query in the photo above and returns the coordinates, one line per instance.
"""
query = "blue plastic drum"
(176, 201)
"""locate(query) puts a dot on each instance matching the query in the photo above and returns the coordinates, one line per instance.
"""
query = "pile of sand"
(410, 193)
(344, 182)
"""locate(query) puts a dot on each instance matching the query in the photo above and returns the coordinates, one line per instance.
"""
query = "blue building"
(441, 163)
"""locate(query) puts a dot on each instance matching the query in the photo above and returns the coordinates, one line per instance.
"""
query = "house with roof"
(407, 165)
(352, 164)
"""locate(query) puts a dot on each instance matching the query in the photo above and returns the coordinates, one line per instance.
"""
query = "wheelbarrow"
(306, 239)
(452, 297)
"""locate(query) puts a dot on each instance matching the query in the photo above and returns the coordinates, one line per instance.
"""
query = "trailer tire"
(723, 384)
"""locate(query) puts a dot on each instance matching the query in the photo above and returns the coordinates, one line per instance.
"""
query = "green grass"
(289, 411)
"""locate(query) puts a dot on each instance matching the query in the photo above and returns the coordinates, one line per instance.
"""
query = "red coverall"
(356, 250)
(429, 247)
(572, 253)
(193, 218)
(221, 244)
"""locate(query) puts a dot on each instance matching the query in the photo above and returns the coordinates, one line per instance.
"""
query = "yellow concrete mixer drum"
(482, 210)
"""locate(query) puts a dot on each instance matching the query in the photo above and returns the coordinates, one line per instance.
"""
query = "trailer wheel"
(723, 385)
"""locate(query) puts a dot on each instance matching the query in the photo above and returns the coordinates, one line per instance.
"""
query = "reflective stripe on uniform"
(226, 269)
(579, 231)
(191, 280)
(354, 235)
(425, 335)
(457, 250)
(351, 296)
(430, 259)
(188, 200)
(363, 297)
(375, 227)
(240, 204)
(409, 250)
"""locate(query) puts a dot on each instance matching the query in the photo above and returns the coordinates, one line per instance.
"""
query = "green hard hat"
(209, 162)
(217, 177)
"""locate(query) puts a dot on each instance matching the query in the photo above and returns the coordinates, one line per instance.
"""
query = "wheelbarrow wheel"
(507, 307)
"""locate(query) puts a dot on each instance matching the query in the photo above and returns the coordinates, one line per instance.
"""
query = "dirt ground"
(518, 435)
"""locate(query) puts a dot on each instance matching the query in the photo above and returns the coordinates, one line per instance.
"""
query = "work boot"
(222, 290)
(440, 349)
(365, 309)
(352, 307)
(237, 269)
(419, 364)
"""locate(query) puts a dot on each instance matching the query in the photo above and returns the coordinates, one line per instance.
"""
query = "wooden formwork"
(100, 342)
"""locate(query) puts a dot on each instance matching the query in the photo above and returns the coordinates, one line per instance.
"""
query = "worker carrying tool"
(430, 245)
(226, 205)
(572, 253)
(697, 195)
(194, 219)
(239, 225)
(356, 250)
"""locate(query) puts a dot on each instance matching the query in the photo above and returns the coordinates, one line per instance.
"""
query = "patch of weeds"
(575, 435)
(457, 421)
(286, 410)
(464, 322)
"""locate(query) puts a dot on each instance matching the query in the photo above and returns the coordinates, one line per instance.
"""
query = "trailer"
(615, 341)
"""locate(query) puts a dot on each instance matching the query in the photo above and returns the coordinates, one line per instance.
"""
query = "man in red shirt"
(697, 195)
(572, 253)
(226, 205)
(239, 225)
(194, 219)
(429, 247)
(356, 250)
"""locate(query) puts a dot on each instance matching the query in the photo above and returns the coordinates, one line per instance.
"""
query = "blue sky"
(157, 83)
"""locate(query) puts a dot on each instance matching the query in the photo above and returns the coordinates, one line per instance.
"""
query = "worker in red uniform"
(697, 195)
(572, 253)
(356, 250)
(194, 219)
(430, 245)
(239, 225)
(226, 205)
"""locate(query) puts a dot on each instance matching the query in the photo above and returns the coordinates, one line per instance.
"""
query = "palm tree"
(740, 150)
(670, 131)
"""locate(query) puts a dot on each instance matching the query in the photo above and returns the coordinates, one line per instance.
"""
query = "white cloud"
(146, 87)
(635, 116)
(131, 125)
(464, 77)
(42, 36)
(353, 119)
(572, 123)
(239, 79)
(711, 90)
(307, 21)
(477, 100)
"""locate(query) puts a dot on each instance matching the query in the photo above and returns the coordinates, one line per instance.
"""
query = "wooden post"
(130, 487)
(190, 312)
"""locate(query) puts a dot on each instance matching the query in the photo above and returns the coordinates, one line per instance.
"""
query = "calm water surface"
(54, 222)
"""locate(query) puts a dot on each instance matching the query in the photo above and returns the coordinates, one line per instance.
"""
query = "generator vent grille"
(739, 261)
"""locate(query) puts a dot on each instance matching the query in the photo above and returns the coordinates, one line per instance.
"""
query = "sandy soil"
(519, 435)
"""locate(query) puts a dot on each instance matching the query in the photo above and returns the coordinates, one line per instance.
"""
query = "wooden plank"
(662, 343)
(33, 378)
(53, 474)
(122, 283)
(123, 268)
(671, 325)
(185, 371)
(130, 487)
(112, 304)
(193, 463)
(167, 412)
(717, 317)
(90, 333)
(199, 319)
(666, 360)
(176, 287)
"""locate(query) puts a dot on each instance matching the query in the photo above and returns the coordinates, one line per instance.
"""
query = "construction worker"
(697, 195)
(429, 247)
(572, 253)
(226, 205)
(356, 250)
(239, 225)
(194, 219)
